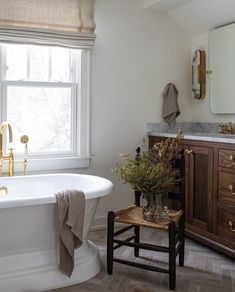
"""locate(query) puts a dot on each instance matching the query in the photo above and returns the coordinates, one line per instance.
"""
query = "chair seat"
(134, 215)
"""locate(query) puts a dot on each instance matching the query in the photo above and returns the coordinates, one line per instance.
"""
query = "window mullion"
(4, 102)
(71, 66)
(4, 110)
(3, 87)
(49, 64)
(75, 101)
(3, 63)
(2, 73)
(74, 119)
(28, 64)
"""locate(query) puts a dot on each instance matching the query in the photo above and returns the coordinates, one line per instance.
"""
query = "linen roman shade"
(68, 23)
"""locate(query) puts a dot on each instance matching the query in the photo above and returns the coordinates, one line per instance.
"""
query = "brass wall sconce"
(199, 74)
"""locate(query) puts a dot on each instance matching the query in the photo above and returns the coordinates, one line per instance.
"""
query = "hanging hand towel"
(171, 108)
(71, 208)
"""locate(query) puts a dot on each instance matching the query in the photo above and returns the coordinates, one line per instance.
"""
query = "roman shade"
(68, 23)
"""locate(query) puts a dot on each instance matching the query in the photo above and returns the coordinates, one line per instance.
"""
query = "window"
(44, 94)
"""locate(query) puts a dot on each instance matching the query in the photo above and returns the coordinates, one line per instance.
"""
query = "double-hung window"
(45, 95)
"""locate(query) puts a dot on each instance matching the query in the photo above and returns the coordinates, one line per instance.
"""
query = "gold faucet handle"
(24, 139)
(229, 128)
(221, 129)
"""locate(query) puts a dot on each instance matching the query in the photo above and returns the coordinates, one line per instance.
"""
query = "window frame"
(79, 157)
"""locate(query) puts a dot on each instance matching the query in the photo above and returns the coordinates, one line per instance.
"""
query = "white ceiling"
(164, 5)
(196, 16)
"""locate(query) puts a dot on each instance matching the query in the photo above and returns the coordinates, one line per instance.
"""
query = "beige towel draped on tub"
(71, 208)
(171, 108)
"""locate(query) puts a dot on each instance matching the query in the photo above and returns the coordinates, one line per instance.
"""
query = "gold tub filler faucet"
(24, 140)
(10, 155)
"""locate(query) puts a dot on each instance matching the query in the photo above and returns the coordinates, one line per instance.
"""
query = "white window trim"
(81, 157)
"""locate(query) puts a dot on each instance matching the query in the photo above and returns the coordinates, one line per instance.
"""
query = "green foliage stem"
(153, 171)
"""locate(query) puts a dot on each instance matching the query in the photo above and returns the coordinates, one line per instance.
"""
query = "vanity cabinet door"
(199, 187)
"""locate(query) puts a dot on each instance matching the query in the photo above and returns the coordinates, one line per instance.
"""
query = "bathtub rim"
(7, 202)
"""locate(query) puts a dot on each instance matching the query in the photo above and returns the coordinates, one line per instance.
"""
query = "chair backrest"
(179, 195)
(137, 193)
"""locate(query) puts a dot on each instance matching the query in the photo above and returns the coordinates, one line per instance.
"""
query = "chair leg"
(182, 242)
(136, 240)
(110, 232)
(137, 228)
(172, 258)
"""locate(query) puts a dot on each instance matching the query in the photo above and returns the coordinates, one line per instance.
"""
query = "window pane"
(60, 64)
(44, 114)
(39, 63)
(16, 61)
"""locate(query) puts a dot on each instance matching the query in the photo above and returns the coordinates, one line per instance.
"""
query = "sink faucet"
(226, 129)
(229, 128)
(10, 156)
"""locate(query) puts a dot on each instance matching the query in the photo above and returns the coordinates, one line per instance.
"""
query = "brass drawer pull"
(189, 151)
(230, 223)
(231, 189)
(232, 159)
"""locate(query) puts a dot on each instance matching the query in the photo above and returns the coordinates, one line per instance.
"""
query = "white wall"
(200, 16)
(201, 108)
(137, 52)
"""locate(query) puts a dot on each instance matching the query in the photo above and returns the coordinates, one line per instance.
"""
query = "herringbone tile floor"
(205, 270)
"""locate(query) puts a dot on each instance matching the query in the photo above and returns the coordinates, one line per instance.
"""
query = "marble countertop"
(191, 131)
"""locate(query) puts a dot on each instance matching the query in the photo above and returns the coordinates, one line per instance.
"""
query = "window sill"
(44, 164)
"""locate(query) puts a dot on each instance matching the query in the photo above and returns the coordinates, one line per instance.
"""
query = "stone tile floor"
(205, 270)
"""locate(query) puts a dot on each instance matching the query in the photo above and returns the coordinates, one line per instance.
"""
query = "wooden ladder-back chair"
(133, 216)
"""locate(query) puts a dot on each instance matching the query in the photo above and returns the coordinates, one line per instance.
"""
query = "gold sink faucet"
(226, 129)
(9, 156)
(229, 128)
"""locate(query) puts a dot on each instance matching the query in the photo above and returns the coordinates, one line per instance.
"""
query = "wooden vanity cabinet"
(210, 192)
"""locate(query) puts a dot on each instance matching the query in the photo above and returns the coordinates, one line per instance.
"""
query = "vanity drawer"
(226, 190)
(226, 223)
(227, 158)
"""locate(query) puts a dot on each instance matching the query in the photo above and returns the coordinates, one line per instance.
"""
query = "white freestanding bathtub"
(28, 231)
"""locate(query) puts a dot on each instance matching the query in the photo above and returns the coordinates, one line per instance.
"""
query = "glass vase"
(155, 207)
(149, 206)
(161, 212)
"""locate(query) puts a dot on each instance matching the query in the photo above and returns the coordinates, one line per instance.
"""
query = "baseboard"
(100, 223)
